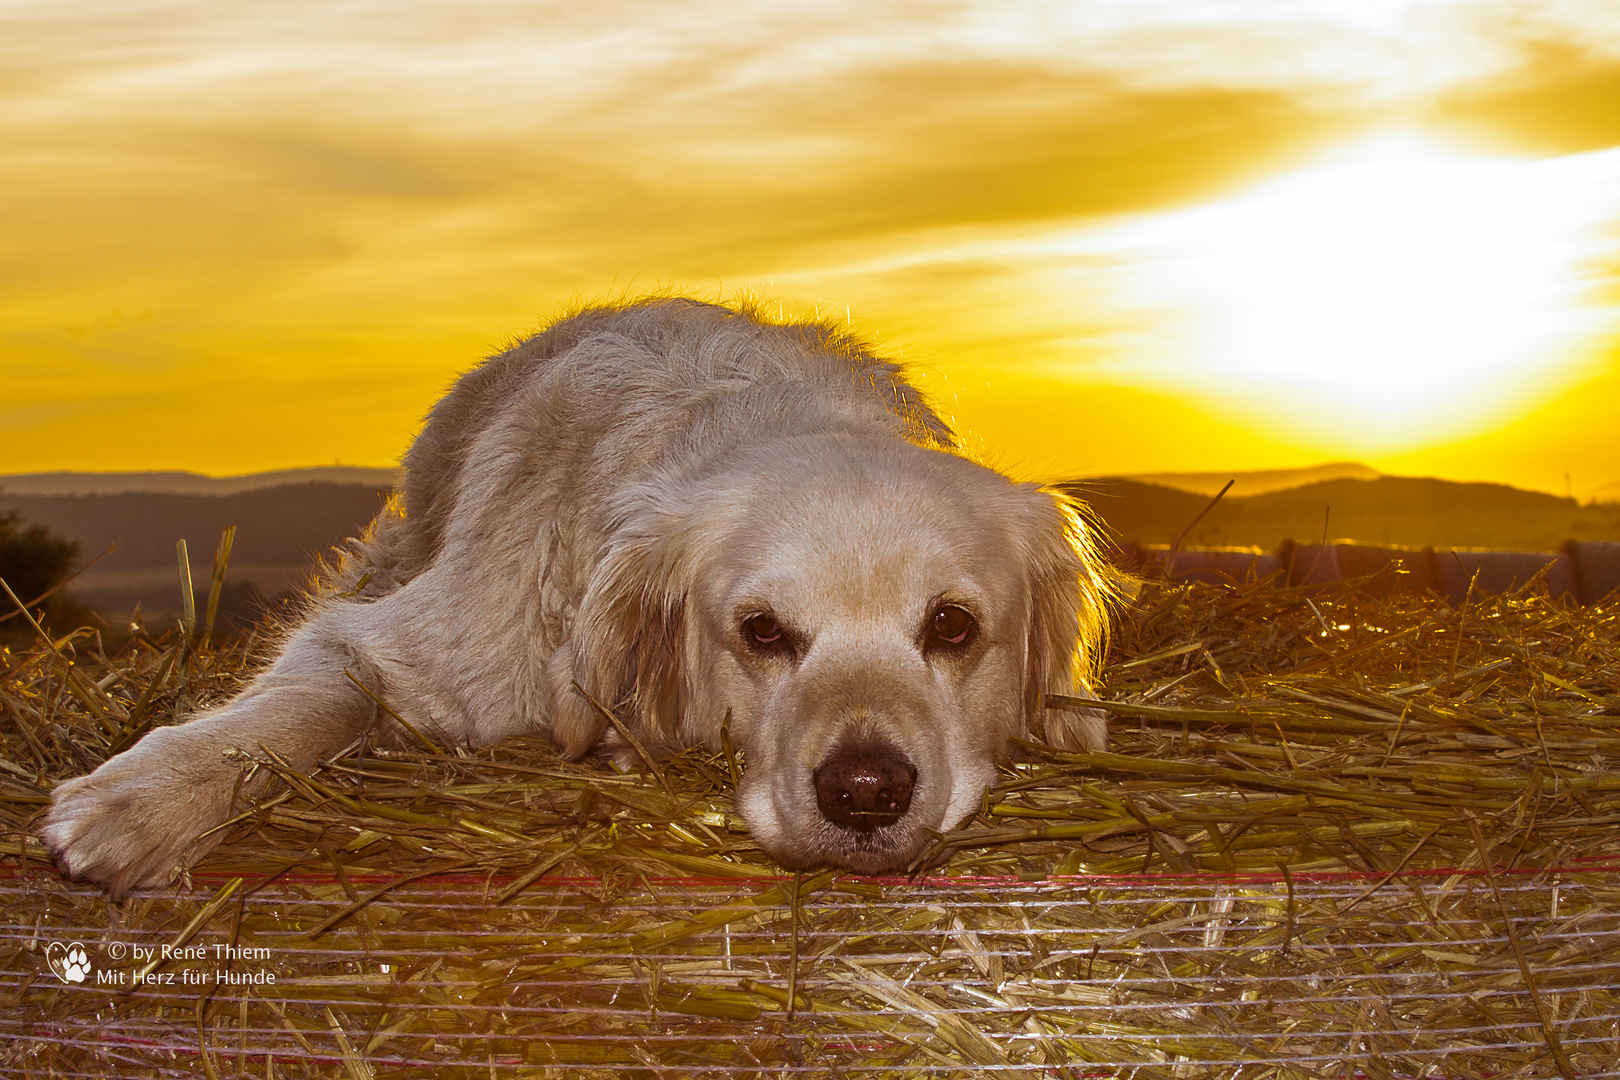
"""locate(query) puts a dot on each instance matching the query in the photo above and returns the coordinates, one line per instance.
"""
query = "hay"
(1330, 829)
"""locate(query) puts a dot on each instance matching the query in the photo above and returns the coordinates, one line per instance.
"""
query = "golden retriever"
(682, 513)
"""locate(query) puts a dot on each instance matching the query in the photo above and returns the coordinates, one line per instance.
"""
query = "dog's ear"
(626, 652)
(1068, 627)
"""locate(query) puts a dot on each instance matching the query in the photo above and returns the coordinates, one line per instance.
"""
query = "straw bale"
(1597, 568)
(1456, 572)
(1331, 828)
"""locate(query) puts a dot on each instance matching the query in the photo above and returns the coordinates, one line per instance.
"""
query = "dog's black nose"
(864, 787)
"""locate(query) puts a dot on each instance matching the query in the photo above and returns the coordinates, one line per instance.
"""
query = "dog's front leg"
(151, 808)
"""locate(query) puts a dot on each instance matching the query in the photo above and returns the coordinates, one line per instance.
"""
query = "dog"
(695, 519)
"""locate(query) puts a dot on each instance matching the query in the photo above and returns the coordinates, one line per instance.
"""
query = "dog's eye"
(764, 632)
(950, 625)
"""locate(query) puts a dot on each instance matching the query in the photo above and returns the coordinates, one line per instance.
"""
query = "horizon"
(1207, 482)
(1115, 239)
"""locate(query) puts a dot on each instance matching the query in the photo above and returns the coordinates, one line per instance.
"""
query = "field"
(284, 520)
(1332, 832)
(1404, 511)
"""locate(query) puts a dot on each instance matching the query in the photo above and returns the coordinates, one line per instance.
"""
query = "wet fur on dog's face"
(856, 605)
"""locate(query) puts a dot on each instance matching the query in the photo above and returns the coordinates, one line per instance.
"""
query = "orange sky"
(1110, 237)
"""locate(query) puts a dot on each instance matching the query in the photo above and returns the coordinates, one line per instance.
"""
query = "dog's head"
(876, 619)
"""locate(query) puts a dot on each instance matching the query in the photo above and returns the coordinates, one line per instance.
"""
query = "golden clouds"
(1562, 99)
(252, 237)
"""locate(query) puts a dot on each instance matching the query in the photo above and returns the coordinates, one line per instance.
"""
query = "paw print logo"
(70, 963)
(77, 965)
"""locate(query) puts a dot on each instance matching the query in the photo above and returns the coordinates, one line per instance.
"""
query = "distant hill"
(282, 527)
(1394, 510)
(1253, 482)
(280, 532)
(187, 483)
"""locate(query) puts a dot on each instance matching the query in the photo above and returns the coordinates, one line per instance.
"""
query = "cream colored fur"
(599, 509)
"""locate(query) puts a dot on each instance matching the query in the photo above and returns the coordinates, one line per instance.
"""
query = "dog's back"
(691, 348)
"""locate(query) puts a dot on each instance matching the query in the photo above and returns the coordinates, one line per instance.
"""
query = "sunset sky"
(1108, 236)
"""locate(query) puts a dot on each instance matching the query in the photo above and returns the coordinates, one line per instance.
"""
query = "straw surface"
(1330, 829)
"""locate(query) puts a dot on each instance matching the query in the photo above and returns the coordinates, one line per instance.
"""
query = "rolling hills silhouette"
(280, 533)
(283, 527)
(1391, 510)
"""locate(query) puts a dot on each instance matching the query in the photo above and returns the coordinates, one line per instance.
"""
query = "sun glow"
(1390, 285)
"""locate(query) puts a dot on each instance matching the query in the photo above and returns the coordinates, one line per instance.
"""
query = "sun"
(1391, 285)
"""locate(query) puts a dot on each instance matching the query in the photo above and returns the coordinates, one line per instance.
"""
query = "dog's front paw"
(144, 813)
